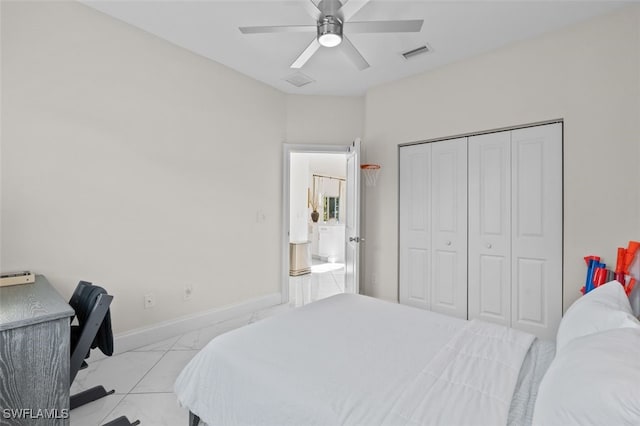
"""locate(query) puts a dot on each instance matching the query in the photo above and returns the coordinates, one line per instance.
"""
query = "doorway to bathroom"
(319, 202)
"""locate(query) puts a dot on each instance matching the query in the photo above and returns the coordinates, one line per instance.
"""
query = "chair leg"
(88, 396)
(193, 419)
(122, 421)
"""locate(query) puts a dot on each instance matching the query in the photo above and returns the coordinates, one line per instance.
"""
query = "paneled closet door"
(449, 227)
(415, 225)
(490, 227)
(536, 162)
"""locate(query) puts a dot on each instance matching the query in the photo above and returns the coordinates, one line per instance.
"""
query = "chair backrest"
(75, 297)
(91, 305)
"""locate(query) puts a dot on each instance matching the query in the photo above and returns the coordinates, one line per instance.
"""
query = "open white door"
(352, 225)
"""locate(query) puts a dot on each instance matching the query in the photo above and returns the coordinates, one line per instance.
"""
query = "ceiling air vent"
(298, 79)
(417, 51)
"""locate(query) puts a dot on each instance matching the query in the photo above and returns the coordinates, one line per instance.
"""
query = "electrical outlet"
(188, 291)
(149, 300)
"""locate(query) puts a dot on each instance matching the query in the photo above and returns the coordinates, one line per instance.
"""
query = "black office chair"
(91, 306)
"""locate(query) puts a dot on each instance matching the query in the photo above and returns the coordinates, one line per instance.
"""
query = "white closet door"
(537, 229)
(415, 225)
(490, 227)
(449, 227)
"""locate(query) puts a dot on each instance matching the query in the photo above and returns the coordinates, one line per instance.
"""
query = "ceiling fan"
(332, 24)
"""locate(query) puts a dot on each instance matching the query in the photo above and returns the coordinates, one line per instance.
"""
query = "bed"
(356, 360)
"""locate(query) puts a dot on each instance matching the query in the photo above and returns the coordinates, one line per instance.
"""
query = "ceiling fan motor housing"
(330, 31)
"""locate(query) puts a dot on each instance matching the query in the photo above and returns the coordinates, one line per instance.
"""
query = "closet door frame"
(559, 121)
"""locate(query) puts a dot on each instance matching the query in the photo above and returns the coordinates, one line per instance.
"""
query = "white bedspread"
(359, 361)
(470, 381)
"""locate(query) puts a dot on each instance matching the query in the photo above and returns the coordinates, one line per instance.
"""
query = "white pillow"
(595, 380)
(604, 308)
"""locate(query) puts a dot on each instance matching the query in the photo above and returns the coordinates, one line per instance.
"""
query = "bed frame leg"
(193, 419)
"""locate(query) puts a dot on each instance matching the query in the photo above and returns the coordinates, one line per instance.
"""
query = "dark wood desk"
(34, 355)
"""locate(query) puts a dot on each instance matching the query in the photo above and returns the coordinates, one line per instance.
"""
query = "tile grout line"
(114, 407)
(199, 331)
(149, 370)
(133, 387)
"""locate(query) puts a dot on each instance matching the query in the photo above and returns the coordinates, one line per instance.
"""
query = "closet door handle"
(448, 243)
(488, 246)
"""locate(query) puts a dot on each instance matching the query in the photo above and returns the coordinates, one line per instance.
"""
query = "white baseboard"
(144, 336)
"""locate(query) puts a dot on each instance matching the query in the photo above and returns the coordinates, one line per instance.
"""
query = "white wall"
(588, 75)
(299, 213)
(334, 165)
(336, 120)
(135, 164)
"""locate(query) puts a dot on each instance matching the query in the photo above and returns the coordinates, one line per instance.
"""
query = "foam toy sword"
(632, 248)
(620, 261)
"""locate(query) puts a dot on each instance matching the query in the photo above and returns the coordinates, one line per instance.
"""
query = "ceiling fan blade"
(306, 54)
(413, 26)
(352, 53)
(351, 7)
(311, 8)
(278, 29)
(329, 7)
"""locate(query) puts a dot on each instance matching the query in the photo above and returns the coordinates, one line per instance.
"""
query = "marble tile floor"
(143, 378)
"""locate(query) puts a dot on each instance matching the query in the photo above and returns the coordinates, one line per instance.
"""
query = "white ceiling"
(453, 29)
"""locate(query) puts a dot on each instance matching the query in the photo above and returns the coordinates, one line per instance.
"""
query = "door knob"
(448, 243)
(488, 246)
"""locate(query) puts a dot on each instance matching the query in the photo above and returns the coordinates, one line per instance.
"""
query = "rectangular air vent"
(418, 51)
(298, 79)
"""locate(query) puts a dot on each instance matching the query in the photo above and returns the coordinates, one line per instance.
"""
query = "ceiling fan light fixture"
(330, 31)
(330, 40)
